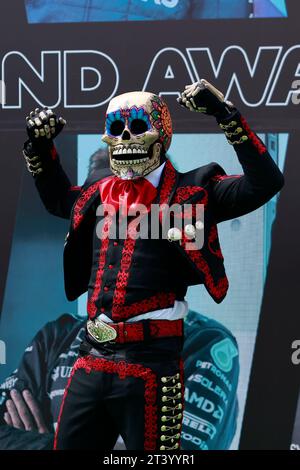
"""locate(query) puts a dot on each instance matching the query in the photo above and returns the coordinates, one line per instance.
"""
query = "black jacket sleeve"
(17, 439)
(31, 374)
(54, 187)
(34, 374)
(236, 195)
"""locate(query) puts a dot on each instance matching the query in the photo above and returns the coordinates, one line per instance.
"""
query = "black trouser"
(135, 390)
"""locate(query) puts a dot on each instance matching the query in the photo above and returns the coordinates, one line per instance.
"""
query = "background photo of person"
(55, 11)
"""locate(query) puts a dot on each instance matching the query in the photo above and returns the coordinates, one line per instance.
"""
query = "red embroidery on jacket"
(213, 242)
(185, 192)
(75, 188)
(157, 301)
(169, 179)
(122, 279)
(123, 274)
(253, 137)
(124, 369)
(182, 194)
(168, 183)
(218, 178)
(82, 200)
(217, 288)
(121, 311)
(91, 305)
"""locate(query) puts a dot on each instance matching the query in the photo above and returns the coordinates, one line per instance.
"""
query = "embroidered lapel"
(82, 204)
(167, 187)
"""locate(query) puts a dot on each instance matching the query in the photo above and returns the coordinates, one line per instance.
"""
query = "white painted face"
(138, 126)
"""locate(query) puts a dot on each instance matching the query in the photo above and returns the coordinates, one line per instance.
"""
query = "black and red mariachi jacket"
(129, 277)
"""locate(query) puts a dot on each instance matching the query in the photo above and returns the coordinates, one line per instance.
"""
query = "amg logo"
(90, 78)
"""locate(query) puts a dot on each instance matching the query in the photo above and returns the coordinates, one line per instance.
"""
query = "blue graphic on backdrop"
(69, 11)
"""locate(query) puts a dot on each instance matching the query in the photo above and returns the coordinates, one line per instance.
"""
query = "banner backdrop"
(74, 56)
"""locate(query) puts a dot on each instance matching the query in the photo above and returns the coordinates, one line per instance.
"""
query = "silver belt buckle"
(100, 331)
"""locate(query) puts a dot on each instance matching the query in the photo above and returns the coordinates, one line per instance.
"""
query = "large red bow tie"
(127, 193)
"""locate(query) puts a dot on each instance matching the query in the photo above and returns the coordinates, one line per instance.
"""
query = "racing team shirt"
(211, 368)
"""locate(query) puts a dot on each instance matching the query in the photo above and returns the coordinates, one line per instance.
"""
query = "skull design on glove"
(138, 132)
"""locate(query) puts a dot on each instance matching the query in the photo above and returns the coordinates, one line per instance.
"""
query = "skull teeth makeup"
(129, 162)
(138, 126)
(128, 151)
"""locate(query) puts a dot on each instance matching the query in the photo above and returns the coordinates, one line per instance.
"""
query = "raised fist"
(43, 125)
(203, 97)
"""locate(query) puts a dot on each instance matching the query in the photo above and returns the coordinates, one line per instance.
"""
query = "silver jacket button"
(190, 231)
(199, 225)
(174, 234)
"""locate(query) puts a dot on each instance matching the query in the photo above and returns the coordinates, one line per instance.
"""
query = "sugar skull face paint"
(138, 126)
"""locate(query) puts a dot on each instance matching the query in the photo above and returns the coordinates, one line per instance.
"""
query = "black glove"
(43, 126)
(203, 97)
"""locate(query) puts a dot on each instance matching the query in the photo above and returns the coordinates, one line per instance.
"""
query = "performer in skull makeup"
(128, 378)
